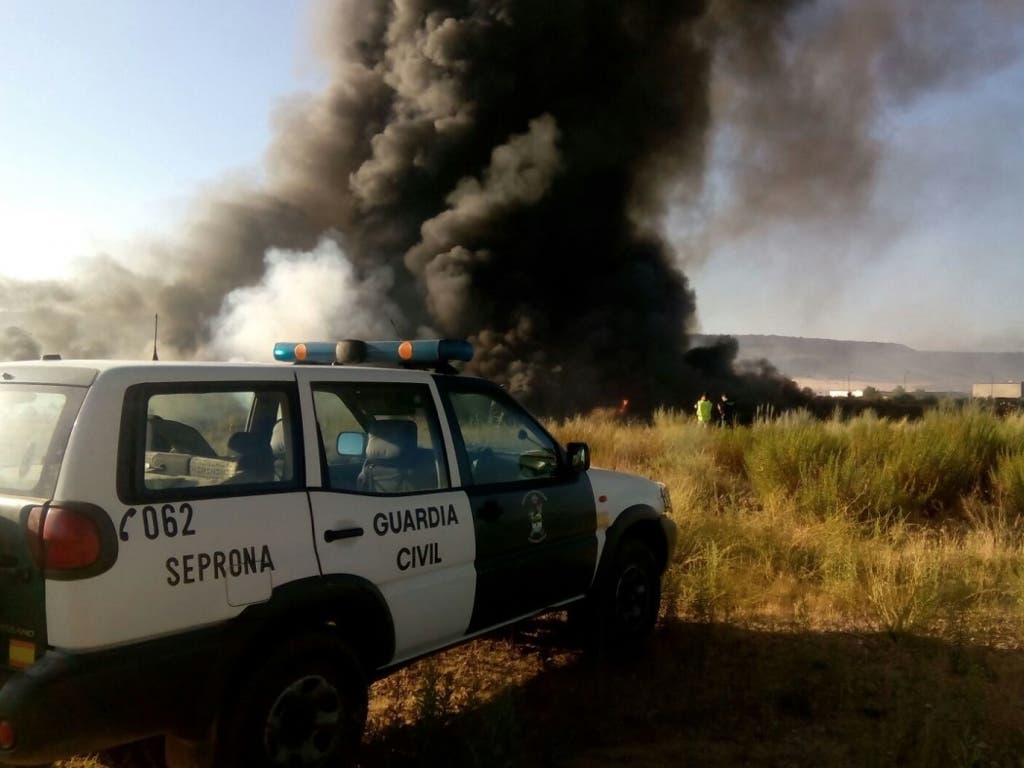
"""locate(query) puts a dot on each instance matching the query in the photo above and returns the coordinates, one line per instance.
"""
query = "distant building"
(1012, 390)
(846, 393)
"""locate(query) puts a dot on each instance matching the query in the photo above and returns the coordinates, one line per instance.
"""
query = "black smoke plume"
(503, 170)
(514, 181)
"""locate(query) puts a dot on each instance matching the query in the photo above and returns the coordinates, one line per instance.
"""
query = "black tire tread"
(599, 610)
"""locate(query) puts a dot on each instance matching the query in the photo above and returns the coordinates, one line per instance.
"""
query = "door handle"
(342, 533)
(490, 510)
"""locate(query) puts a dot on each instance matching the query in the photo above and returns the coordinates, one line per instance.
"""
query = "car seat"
(390, 458)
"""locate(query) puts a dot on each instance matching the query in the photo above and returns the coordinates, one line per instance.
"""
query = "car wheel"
(304, 707)
(630, 597)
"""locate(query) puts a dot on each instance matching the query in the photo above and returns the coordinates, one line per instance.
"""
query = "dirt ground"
(703, 695)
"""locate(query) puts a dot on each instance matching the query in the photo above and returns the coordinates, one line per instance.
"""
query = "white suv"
(227, 554)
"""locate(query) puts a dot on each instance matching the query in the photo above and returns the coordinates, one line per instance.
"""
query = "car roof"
(83, 372)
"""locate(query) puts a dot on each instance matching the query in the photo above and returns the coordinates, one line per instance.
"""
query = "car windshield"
(35, 422)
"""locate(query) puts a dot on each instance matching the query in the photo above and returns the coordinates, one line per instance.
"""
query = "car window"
(35, 422)
(200, 439)
(503, 444)
(380, 438)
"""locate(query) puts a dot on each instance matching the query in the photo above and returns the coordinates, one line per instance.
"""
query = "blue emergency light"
(421, 352)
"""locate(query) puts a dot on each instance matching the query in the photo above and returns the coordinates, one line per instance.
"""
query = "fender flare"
(351, 605)
(645, 522)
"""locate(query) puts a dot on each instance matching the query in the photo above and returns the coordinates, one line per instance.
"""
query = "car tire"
(628, 598)
(304, 706)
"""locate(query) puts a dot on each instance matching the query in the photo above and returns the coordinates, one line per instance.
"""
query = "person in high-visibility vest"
(703, 408)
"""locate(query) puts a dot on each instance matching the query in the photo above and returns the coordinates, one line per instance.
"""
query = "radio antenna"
(156, 320)
(395, 326)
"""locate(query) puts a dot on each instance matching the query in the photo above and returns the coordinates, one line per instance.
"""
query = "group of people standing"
(722, 411)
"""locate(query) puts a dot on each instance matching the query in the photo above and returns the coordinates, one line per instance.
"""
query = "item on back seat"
(255, 458)
(175, 436)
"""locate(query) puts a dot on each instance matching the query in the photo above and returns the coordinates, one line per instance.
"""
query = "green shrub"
(942, 458)
(903, 590)
(787, 453)
(1008, 483)
(705, 592)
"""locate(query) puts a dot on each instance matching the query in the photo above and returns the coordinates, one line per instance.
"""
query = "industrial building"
(1011, 390)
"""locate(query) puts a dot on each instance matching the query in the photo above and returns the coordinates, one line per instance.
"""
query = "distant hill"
(824, 364)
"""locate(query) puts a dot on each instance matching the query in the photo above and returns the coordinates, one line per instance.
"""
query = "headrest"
(277, 438)
(247, 444)
(390, 439)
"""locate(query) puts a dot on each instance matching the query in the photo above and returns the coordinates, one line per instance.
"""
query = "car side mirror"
(578, 455)
(351, 443)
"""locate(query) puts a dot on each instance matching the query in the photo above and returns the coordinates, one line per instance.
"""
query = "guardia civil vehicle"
(227, 554)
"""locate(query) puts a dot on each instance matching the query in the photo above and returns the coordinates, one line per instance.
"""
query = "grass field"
(902, 527)
(844, 592)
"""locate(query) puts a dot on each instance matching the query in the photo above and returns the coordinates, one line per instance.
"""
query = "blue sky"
(113, 116)
(937, 262)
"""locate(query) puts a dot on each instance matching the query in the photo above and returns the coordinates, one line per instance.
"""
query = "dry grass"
(865, 524)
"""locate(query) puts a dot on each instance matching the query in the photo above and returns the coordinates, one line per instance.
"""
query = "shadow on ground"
(704, 695)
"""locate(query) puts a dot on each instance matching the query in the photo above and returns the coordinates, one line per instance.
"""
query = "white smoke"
(303, 296)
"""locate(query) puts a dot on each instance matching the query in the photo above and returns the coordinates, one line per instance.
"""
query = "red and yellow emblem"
(21, 653)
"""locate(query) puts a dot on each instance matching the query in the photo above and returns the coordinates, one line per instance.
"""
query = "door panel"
(535, 546)
(385, 510)
(206, 522)
(417, 548)
(534, 518)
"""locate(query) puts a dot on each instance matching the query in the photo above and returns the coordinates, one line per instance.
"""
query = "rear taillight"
(70, 539)
(6, 735)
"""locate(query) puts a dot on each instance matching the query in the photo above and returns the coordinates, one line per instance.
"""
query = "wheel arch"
(639, 521)
(349, 606)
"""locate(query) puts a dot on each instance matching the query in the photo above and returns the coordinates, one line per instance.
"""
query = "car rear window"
(35, 422)
(190, 440)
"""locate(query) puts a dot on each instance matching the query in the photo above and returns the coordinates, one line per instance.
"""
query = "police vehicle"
(227, 554)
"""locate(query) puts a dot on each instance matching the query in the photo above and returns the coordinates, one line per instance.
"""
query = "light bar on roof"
(421, 352)
(305, 352)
